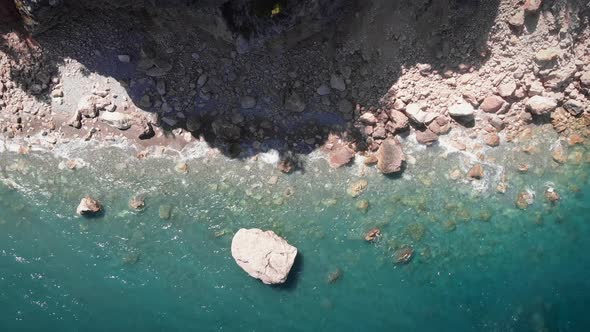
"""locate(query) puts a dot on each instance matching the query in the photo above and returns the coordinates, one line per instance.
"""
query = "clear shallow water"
(480, 264)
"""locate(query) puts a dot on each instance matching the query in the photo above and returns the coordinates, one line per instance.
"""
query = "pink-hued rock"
(263, 255)
(340, 156)
(390, 156)
(492, 104)
(88, 206)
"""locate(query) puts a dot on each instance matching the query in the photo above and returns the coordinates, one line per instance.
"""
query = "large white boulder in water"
(263, 255)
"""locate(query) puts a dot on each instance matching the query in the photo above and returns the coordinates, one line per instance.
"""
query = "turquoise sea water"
(480, 263)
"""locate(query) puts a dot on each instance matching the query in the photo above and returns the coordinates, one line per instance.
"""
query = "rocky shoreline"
(533, 69)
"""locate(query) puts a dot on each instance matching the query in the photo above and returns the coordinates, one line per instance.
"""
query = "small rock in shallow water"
(524, 199)
(137, 203)
(476, 172)
(357, 187)
(181, 168)
(263, 255)
(372, 234)
(88, 206)
(551, 195)
(492, 139)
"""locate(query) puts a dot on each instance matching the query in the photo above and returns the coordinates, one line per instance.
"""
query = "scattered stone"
(546, 55)
(273, 180)
(363, 205)
(263, 255)
(117, 120)
(551, 195)
(390, 156)
(461, 110)
(476, 172)
(492, 139)
(286, 166)
(57, 93)
(417, 114)
(345, 106)
(87, 106)
(202, 80)
(574, 107)
(145, 101)
(403, 255)
(357, 187)
(558, 154)
(323, 90)
(124, 58)
(372, 234)
(368, 118)
(181, 168)
(340, 156)
(88, 206)
(165, 211)
(337, 83)
(524, 199)
(294, 103)
(517, 20)
(492, 104)
(76, 120)
(449, 225)
(532, 6)
(426, 137)
(137, 203)
(248, 102)
(575, 139)
(399, 121)
(506, 90)
(523, 168)
(539, 105)
(455, 175)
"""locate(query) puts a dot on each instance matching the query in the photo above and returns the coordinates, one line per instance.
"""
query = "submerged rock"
(362, 205)
(88, 206)
(165, 212)
(403, 255)
(357, 188)
(334, 276)
(390, 156)
(263, 255)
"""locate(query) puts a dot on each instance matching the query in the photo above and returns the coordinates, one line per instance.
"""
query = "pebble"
(124, 58)
(323, 90)
(248, 102)
(492, 104)
(539, 105)
(337, 82)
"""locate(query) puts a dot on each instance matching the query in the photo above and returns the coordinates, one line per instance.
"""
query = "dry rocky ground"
(481, 71)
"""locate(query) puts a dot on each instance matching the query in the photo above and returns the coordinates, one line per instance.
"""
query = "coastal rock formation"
(88, 206)
(390, 156)
(263, 255)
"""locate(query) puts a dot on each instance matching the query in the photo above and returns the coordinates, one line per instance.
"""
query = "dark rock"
(574, 107)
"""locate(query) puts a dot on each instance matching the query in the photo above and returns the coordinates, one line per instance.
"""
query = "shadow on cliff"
(445, 35)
